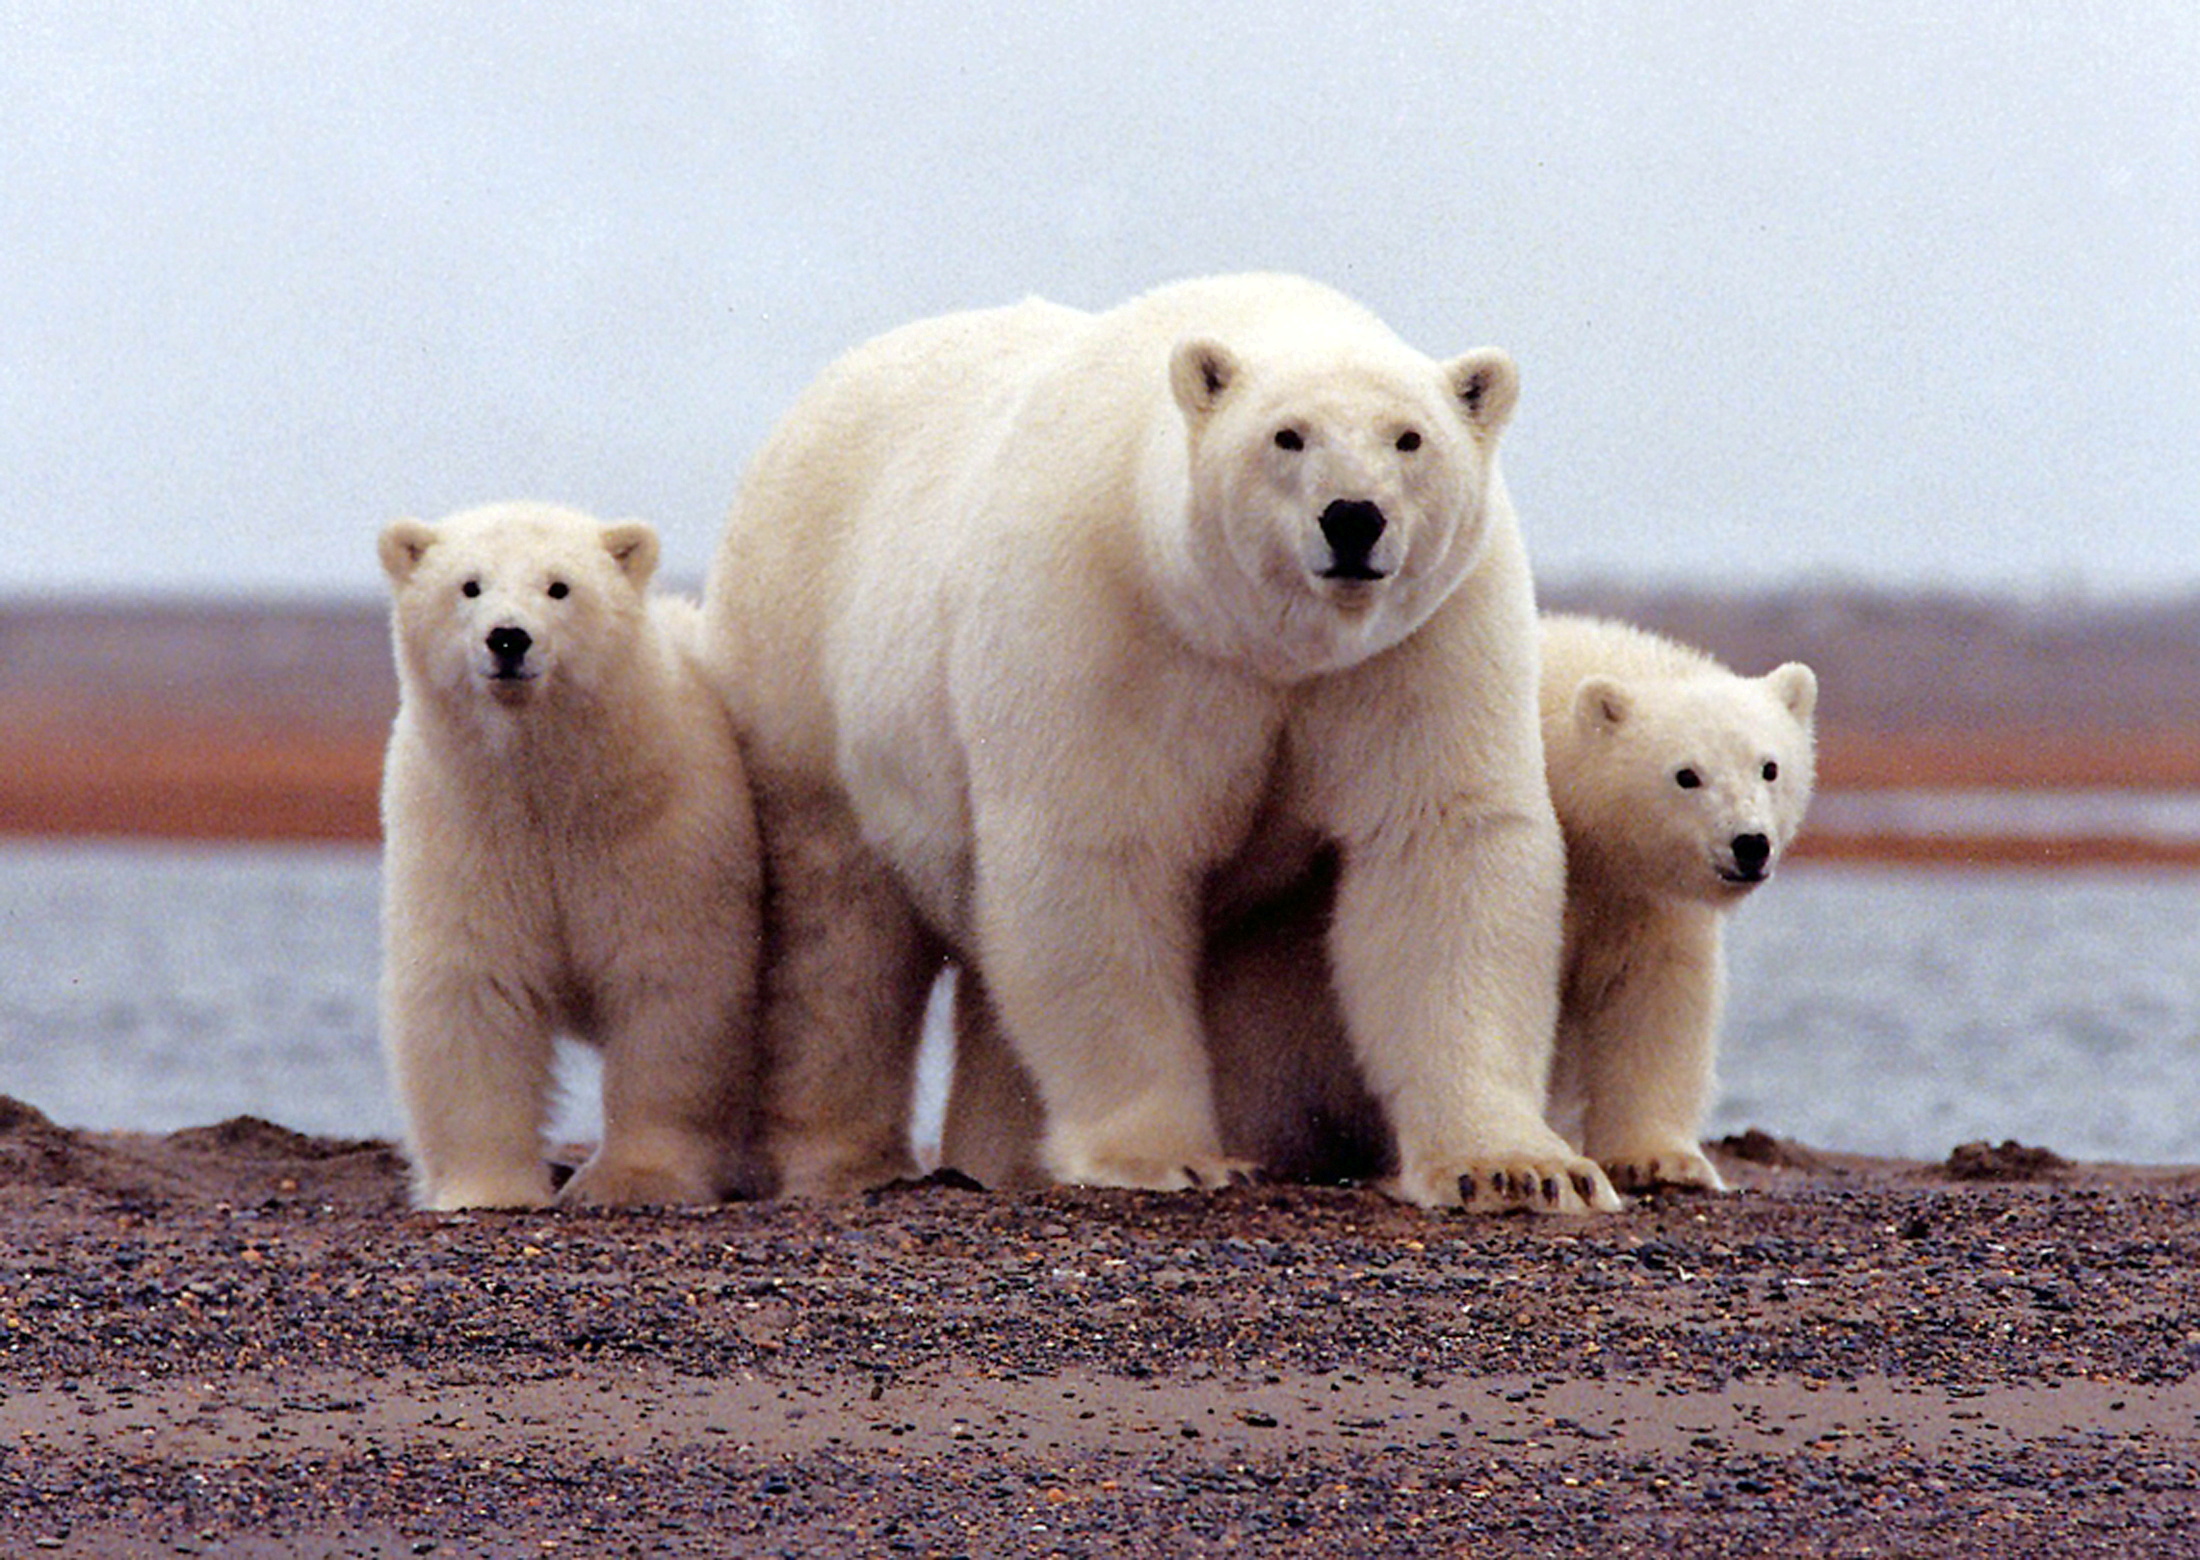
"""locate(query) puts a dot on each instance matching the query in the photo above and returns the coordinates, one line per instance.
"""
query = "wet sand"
(237, 1341)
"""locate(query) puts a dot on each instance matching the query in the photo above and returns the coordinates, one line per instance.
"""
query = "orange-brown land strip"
(190, 781)
(140, 774)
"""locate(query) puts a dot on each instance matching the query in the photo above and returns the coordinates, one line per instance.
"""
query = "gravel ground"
(237, 1341)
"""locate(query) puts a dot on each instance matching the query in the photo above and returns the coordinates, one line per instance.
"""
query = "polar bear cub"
(1680, 785)
(1041, 624)
(569, 846)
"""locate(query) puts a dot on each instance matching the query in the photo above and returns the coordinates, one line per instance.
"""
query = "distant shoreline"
(265, 720)
(1899, 800)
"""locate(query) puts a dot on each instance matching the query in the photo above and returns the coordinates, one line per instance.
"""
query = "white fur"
(1652, 866)
(1651, 872)
(1028, 619)
(568, 847)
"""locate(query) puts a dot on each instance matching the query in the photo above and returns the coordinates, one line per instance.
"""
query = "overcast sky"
(1897, 292)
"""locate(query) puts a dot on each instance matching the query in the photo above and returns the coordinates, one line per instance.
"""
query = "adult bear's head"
(1344, 482)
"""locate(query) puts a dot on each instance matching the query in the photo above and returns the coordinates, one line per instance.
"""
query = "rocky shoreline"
(237, 1341)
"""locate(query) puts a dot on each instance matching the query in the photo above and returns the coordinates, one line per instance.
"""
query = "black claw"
(1583, 1187)
(1550, 1189)
(1192, 1176)
(1466, 1187)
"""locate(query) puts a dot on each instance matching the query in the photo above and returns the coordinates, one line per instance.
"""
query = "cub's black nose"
(1352, 527)
(509, 645)
(1751, 852)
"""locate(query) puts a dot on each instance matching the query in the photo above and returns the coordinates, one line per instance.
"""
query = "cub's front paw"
(517, 1188)
(1677, 1165)
(1535, 1183)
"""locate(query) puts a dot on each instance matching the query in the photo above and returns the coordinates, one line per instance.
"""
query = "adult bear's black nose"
(1352, 527)
(509, 644)
(1751, 852)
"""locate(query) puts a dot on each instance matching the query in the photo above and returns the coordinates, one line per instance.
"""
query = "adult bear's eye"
(559, 590)
(470, 589)
(1687, 779)
(1409, 441)
(1289, 439)
(1772, 769)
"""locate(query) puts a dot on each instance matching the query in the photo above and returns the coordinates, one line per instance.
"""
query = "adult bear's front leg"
(1445, 953)
(1091, 956)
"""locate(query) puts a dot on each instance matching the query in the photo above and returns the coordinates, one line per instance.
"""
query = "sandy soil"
(236, 1341)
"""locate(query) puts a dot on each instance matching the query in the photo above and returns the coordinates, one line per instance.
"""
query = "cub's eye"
(1289, 439)
(1772, 769)
(1687, 779)
(1409, 441)
(470, 589)
(559, 590)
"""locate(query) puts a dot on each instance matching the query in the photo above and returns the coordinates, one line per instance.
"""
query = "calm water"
(1895, 1011)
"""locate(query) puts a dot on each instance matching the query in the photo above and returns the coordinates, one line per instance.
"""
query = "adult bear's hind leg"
(847, 972)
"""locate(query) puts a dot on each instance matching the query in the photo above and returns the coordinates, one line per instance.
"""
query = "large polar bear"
(569, 847)
(1046, 630)
(1679, 785)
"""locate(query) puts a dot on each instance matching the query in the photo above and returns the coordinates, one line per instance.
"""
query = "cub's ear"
(1796, 686)
(1602, 703)
(403, 544)
(1487, 385)
(1201, 371)
(633, 547)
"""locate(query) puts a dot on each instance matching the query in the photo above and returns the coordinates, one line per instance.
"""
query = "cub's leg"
(1640, 1049)
(679, 1089)
(472, 1059)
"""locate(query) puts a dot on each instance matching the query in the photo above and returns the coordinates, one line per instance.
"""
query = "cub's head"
(515, 603)
(1689, 787)
(1341, 488)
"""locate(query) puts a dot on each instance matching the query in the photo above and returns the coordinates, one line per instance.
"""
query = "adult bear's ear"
(1201, 371)
(1602, 703)
(633, 547)
(402, 545)
(1486, 383)
(1796, 686)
